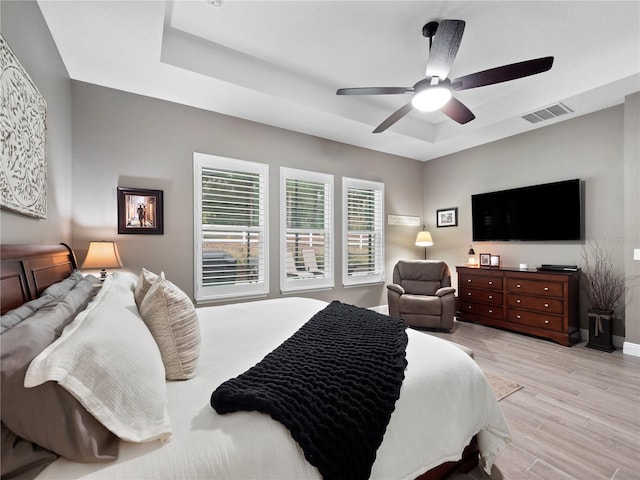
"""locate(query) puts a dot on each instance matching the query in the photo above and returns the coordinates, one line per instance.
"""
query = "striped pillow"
(145, 281)
(173, 322)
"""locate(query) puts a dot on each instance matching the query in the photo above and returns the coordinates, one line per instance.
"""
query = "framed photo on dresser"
(485, 259)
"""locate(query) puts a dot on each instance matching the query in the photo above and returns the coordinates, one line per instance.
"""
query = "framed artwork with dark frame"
(485, 259)
(447, 217)
(140, 211)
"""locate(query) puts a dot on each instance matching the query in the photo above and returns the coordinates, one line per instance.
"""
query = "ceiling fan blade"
(456, 110)
(373, 90)
(444, 48)
(394, 117)
(503, 74)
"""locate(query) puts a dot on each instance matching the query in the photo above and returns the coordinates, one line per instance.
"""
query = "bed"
(446, 416)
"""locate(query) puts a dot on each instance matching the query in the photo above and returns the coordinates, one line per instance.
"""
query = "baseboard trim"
(632, 349)
(618, 342)
(384, 309)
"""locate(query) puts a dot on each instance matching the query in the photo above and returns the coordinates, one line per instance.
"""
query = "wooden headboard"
(26, 270)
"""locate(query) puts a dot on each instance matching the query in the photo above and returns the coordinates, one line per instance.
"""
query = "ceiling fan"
(434, 92)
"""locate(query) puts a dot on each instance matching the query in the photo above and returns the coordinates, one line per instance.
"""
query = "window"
(363, 232)
(306, 224)
(231, 250)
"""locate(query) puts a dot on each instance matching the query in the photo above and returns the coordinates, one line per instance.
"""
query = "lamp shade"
(102, 255)
(472, 256)
(424, 239)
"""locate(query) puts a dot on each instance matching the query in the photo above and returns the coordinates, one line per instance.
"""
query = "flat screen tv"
(548, 212)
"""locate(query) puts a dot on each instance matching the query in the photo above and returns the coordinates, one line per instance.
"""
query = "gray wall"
(24, 29)
(589, 147)
(632, 213)
(121, 139)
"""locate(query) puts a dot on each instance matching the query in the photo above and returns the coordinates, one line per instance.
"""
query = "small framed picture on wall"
(140, 211)
(485, 259)
(447, 217)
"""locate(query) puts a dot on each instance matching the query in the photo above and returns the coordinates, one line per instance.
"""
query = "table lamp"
(102, 255)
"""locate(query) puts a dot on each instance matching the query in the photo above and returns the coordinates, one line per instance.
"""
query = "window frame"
(213, 293)
(378, 275)
(318, 282)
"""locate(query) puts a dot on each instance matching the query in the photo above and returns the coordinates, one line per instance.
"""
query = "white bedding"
(444, 401)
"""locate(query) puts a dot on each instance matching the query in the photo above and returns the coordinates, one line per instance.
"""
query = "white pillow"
(109, 361)
(145, 281)
(173, 322)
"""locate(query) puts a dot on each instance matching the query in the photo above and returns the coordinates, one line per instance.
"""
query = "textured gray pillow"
(173, 322)
(145, 281)
(48, 415)
(50, 296)
(15, 316)
(60, 288)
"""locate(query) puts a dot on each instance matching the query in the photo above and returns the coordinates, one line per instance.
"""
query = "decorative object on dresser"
(544, 304)
(472, 256)
(23, 162)
(604, 288)
(485, 259)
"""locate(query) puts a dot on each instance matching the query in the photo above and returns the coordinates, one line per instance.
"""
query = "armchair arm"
(396, 288)
(441, 292)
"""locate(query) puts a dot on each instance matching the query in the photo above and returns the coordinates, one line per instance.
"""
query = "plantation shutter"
(232, 253)
(363, 241)
(306, 230)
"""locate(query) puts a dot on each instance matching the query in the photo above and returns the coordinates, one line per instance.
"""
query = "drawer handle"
(518, 317)
(468, 280)
(469, 293)
(490, 297)
(518, 301)
(546, 305)
(490, 311)
(518, 285)
(546, 289)
(490, 283)
(546, 321)
(469, 307)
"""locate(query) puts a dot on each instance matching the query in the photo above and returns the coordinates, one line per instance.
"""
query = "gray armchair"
(421, 294)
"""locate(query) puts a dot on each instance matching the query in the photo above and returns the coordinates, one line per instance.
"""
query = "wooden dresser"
(544, 304)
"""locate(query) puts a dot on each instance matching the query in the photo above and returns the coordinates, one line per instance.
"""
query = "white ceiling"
(280, 62)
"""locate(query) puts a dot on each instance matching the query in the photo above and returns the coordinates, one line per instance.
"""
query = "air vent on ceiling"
(547, 113)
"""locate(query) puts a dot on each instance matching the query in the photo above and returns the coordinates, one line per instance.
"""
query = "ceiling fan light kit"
(435, 91)
(432, 97)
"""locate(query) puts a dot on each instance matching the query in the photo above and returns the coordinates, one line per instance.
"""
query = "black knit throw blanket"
(333, 384)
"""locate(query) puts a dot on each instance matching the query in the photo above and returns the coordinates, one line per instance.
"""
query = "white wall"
(589, 147)
(127, 140)
(24, 29)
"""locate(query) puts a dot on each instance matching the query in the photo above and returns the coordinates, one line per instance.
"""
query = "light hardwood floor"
(578, 415)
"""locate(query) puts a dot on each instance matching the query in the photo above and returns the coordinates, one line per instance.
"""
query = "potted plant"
(604, 288)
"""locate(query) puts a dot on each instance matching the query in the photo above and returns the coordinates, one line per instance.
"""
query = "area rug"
(501, 386)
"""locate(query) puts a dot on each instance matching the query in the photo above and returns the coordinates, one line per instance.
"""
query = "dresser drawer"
(535, 287)
(484, 296)
(532, 319)
(481, 281)
(540, 304)
(482, 309)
